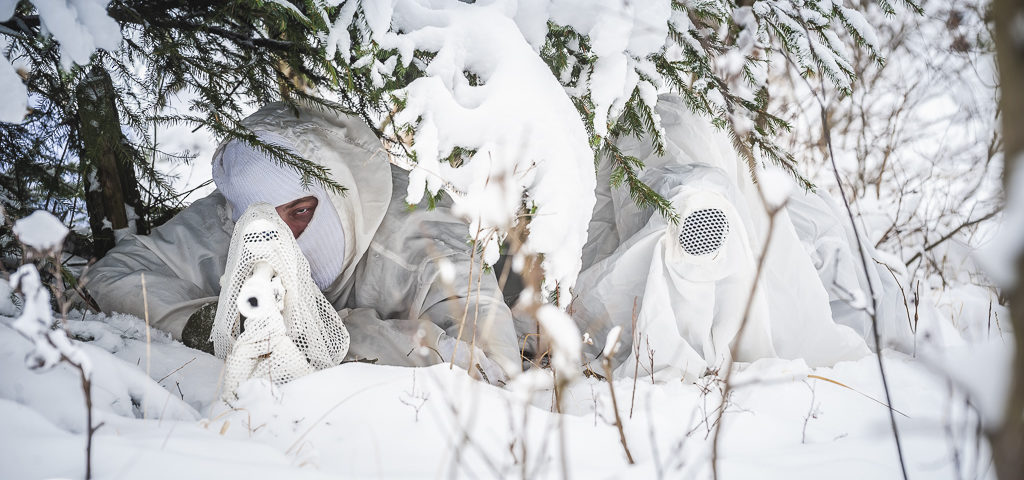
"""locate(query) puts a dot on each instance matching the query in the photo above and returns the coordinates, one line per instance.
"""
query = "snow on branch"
(36, 324)
(486, 92)
(80, 27)
(506, 104)
(41, 232)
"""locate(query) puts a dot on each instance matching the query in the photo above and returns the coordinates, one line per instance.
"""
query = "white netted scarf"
(289, 329)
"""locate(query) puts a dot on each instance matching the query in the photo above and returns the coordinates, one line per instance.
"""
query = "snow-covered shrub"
(43, 235)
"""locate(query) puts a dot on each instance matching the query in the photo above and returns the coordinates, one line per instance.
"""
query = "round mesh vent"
(704, 231)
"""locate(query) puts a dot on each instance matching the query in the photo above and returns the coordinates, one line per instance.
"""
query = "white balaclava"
(246, 176)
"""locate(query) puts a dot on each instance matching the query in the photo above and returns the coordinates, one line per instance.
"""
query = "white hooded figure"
(686, 287)
(376, 262)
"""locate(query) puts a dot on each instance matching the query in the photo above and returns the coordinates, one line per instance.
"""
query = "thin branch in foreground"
(772, 214)
(827, 133)
(871, 289)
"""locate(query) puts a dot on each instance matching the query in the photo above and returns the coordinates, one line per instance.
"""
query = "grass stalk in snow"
(811, 413)
(636, 360)
(465, 312)
(611, 346)
(145, 311)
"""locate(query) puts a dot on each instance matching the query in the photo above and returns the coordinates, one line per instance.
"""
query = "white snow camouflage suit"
(690, 283)
(392, 255)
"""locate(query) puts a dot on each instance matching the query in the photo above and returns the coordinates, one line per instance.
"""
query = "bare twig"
(951, 233)
(871, 289)
(811, 413)
(145, 311)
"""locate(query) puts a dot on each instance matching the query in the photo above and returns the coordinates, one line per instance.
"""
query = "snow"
(41, 231)
(1000, 256)
(80, 27)
(360, 420)
(783, 420)
(527, 135)
(35, 321)
(13, 94)
(565, 340)
(611, 343)
(776, 186)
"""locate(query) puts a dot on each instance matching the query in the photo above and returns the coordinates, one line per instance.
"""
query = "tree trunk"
(106, 163)
(1008, 441)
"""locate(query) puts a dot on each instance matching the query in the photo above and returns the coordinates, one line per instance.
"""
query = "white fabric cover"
(289, 329)
(825, 230)
(389, 293)
(689, 307)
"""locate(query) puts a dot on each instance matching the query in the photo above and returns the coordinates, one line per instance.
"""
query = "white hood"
(354, 157)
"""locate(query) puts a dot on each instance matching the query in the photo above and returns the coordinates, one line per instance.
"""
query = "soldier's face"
(298, 213)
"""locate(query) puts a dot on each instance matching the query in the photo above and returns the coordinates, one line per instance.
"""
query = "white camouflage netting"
(704, 231)
(289, 328)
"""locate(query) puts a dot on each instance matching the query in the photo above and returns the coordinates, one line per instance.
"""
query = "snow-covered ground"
(160, 416)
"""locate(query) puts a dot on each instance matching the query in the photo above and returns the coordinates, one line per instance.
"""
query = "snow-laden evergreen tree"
(520, 97)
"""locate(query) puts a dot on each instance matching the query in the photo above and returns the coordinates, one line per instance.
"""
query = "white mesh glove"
(490, 370)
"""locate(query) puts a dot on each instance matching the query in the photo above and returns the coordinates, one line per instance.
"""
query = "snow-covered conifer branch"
(608, 60)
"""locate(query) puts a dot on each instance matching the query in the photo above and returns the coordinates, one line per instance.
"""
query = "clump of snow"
(41, 231)
(529, 140)
(611, 343)
(564, 338)
(622, 36)
(80, 26)
(446, 271)
(776, 186)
